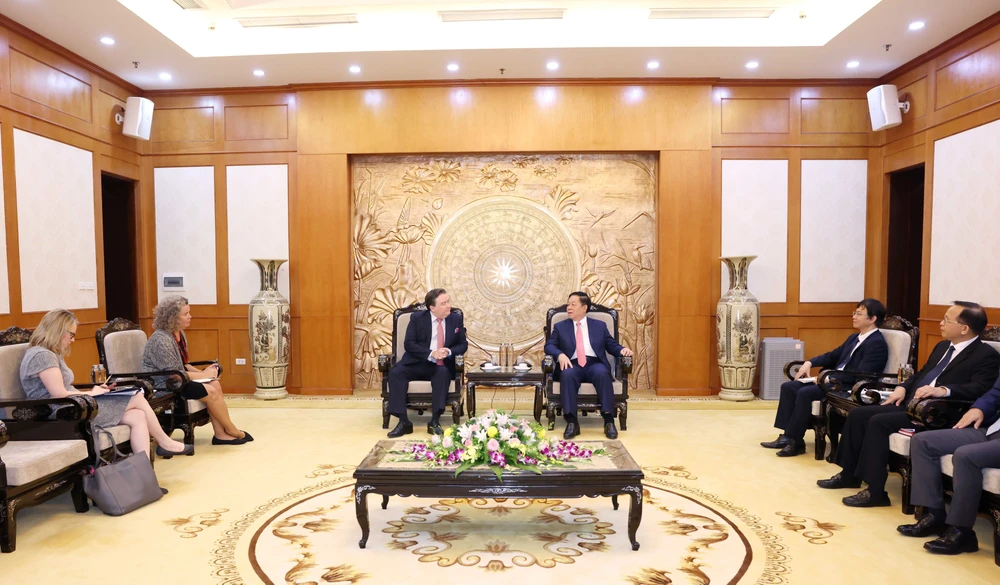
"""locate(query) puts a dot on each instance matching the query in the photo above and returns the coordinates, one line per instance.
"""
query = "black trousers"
(595, 373)
(864, 446)
(795, 408)
(400, 377)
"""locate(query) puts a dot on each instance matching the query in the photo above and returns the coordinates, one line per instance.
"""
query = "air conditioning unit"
(775, 352)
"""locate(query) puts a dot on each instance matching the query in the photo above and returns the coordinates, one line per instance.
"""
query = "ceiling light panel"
(191, 4)
(689, 13)
(482, 15)
(296, 21)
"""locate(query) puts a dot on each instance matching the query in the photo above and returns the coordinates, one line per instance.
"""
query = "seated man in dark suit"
(581, 344)
(961, 367)
(433, 339)
(864, 351)
(975, 443)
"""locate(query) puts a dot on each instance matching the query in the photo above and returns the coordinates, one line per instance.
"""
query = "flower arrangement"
(500, 441)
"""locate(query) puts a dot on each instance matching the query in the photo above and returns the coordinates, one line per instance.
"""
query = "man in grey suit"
(975, 445)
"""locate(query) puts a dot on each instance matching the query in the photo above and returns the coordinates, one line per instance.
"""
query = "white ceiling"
(620, 44)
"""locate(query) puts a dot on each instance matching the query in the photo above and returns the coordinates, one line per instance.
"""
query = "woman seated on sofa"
(167, 350)
(44, 374)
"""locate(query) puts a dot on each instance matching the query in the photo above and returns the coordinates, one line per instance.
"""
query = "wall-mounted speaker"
(884, 107)
(138, 118)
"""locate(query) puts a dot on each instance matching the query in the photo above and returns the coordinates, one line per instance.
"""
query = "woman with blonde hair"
(44, 374)
(167, 350)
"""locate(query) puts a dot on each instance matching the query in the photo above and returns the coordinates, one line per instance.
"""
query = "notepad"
(204, 380)
(810, 380)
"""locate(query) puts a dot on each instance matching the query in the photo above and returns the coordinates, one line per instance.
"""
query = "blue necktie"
(847, 358)
(936, 372)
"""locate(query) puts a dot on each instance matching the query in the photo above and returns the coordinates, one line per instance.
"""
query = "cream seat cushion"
(899, 444)
(422, 387)
(195, 405)
(991, 477)
(27, 461)
(817, 407)
(587, 389)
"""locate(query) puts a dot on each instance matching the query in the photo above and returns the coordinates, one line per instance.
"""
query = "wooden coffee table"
(605, 476)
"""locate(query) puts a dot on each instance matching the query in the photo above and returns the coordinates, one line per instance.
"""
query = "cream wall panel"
(964, 238)
(185, 230)
(832, 251)
(257, 207)
(755, 223)
(4, 279)
(55, 223)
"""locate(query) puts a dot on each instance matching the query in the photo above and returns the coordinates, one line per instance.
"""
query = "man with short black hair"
(864, 351)
(961, 366)
(581, 345)
(433, 339)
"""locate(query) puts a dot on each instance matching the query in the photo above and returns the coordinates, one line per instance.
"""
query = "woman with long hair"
(44, 374)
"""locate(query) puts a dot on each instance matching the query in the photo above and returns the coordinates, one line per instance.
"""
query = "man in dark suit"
(433, 339)
(864, 351)
(960, 367)
(581, 345)
(975, 443)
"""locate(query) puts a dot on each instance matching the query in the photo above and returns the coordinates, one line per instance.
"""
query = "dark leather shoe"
(778, 443)
(401, 428)
(793, 448)
(839, 481)
(163, 453)
(164, 491)
(434, 429)
(865, 499)
(926, 526)
(953, 542)
(572, 430)
(610, 431)
(218, 441)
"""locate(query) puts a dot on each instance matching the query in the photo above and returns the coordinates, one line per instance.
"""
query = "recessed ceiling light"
(653, 65)
(107, 41)
(453, 67)
(354, 69)
(917, 25)
(752, 65)
(552, 65)
(852, 64)
(165, 76)
(258, 72)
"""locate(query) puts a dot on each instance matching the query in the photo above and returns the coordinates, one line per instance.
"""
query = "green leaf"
(531, 468)
(497, 471)
(463, 467)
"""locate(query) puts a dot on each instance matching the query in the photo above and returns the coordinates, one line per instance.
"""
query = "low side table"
(504, 378)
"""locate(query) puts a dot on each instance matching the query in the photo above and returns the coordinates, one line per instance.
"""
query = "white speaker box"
(138, 118)
(884, 107)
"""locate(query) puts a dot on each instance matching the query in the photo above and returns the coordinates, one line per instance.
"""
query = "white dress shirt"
(958, 349)
(587, 348)
(434, 337)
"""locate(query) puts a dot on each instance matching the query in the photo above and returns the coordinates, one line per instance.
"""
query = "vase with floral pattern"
(738, 323)
(270, 333)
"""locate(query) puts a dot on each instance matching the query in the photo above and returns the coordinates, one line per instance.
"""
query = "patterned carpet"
(717, 509)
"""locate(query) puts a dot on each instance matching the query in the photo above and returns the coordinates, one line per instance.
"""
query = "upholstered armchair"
(827, 416)
(120, 344)
(550, 398)
(418, 395)
(45, 445)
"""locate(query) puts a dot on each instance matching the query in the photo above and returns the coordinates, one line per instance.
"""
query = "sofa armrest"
(937, 413)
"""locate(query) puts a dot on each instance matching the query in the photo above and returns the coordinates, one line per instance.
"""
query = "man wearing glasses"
(961, 366)
(864, 351)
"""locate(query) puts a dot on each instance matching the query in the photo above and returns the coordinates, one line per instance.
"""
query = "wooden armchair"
(418, 395)
(587, 400)
(120, 344)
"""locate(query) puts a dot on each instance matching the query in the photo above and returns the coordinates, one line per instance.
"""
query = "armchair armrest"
(792, 368)
(460, 364)
(75, 407)
(867, 392)
(626, 369)
(3, 437)
(385, 363)
(171, 384)
(937, 413)
(548, 365)
(122, 382)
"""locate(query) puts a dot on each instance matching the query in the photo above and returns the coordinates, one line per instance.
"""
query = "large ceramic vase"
(738, 321)
(270, 333)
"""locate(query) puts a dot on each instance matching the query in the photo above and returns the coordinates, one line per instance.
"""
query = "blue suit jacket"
(563, 340)
(870, 356)
(989, 403)
(418, 339)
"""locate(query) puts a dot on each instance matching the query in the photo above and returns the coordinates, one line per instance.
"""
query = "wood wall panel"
(49, 86)
(239, 347)
(203, 344)
(183, 125)
(822, 340)
(755, 116)
(107, 106)
(257, 122)
(835, 116)
(968, 76)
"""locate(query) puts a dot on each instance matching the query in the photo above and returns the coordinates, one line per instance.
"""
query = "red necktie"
(581, 353)
(440, 338)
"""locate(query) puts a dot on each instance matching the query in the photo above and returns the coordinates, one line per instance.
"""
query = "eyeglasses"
(72, 335)
(947, 320)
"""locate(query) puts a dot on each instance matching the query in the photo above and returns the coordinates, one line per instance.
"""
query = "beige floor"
(718, 509)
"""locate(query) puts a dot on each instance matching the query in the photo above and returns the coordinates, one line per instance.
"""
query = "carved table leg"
(470, 392)
(634, 513)
(385, 501)
(361, 508)
(8, 526)
(614, 501)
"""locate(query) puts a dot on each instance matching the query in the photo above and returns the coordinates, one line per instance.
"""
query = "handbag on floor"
(124, 484)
